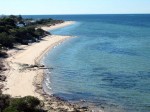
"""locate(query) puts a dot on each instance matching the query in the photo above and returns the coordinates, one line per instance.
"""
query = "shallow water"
(107, 64)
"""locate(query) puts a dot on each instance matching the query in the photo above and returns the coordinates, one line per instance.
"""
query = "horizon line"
(83, 14)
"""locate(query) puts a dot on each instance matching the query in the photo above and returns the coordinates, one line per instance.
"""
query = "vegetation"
(25, 104)
(48, 22)
(15, 29)
(6, 40)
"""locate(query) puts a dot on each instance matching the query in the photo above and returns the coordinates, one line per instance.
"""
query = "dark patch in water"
(119, 80)
(143, 75)
(110, 48)
(98, 69)
(123, 51)
(74, 96)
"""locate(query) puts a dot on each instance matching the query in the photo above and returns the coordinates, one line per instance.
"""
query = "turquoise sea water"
(106, 64)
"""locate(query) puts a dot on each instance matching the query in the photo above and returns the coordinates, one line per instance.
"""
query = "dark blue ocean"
(107, 64)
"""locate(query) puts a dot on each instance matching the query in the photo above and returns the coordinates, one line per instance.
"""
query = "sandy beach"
(20, 80)
(67, 23)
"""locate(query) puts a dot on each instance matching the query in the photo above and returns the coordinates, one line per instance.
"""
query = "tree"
(23, 34)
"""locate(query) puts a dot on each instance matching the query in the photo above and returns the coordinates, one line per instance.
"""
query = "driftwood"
(32, 66)
(35, 66)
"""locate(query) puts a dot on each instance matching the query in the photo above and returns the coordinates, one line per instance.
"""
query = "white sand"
(66, 23)
(19, 82)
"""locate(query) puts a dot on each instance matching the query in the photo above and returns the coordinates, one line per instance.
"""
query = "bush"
(6, 40)
(9, 109)
(39, 32)
(31, 102)
(25, 104)
(4, 101)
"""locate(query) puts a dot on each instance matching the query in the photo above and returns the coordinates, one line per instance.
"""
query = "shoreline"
(19, 73)
(57, 26)
(24, 80)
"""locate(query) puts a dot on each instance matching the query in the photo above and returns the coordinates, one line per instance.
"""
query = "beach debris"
(83, 100)
(37, 66)
(2, 78)
(2, 66)
(1, 86)
(25, 65)
(84, 108)
(32, 67)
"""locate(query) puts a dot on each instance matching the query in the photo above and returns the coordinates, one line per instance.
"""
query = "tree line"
(17, 30)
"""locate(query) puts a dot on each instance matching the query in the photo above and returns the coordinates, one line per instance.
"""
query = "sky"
(33, 7)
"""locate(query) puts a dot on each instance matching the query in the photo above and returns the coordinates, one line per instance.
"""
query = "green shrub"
(31, 102)
(25, 104)
(10, 109)
(4, 101)
(6, 40)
